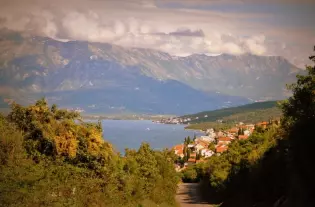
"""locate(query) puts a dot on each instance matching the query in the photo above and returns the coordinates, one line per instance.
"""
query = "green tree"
(53, 108)
(273, 166)
(211, 146)
(188, 140)
(188, 153)
(190, 175)
(298, 127)
(48, 157)
(240, 131)
(185, 153)
(198, 155)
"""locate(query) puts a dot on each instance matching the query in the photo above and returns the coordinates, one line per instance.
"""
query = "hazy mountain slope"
(156, 98)
(32, 65)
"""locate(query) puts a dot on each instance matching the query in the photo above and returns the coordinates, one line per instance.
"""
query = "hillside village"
(199, 149)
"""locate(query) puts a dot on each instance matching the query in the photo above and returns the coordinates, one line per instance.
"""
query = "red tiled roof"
(191, 160)
(242, 137)
(233, 130)
(179, 148)
(262, 123)
(202, 143)
(221, 148)
(224, 139)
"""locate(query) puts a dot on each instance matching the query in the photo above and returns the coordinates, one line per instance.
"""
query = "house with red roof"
(193, 155)
(191, 161)
(263, 124)
(200, 144)
(233, 130)
(242, 137)
(224, 140)
(221, 148)
(179, 150)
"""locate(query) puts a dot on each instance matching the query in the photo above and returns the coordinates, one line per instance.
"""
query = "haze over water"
(131, 133)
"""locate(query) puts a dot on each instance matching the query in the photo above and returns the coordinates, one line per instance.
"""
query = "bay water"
(131, 133)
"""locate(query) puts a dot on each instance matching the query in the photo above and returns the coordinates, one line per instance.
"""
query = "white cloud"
(140, 23)
(256, 45)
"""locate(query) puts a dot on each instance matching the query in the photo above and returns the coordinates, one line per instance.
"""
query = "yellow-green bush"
(49, 157)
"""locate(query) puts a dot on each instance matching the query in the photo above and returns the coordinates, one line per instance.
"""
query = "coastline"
(125, 117)
(198, 130)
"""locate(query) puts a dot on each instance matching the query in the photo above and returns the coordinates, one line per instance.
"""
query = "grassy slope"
(250, 113)
(220, 113)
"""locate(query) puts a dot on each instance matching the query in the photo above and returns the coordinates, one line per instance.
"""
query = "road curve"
(188, 196)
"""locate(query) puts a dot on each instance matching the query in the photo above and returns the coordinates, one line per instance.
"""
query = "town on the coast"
(174, 120)
(214, 142)
(180, 120)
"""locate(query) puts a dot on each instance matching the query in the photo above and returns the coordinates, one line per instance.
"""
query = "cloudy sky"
(179, 27)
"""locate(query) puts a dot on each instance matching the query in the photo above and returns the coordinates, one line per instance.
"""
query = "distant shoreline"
(198, 130)
(125, 117)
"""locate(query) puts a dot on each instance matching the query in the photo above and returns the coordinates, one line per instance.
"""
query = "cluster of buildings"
(179, 120)
(175, 120)
(77, 109)
(214, 143)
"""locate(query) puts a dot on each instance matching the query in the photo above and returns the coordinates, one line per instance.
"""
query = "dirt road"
(188, 196)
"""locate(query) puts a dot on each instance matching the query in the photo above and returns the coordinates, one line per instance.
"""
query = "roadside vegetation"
(273, 166)
(49, 157)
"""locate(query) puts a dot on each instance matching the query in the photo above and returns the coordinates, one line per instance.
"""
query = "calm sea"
(130, 134)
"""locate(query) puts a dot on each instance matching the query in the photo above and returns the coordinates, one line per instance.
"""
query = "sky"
(179, 27)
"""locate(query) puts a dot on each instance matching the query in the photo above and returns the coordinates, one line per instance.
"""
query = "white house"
(247, 132)
(207, 138)
(210, 132)
(250, 126)
(190, 145)
(206, 153)
(199, 147)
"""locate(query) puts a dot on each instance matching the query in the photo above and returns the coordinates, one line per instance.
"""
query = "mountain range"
(106, 78)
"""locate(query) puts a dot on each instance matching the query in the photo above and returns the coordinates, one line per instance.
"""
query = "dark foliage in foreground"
(49, 157)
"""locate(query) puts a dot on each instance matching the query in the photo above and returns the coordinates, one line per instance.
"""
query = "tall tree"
(188, 153)
(298, 124)
(188, 140)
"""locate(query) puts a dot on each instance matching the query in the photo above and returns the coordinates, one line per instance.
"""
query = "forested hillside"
(274, 166)
(49, 157)
(209, 116)
(250, 113)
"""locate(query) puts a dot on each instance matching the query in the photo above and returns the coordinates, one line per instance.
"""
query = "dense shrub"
(49, 157)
